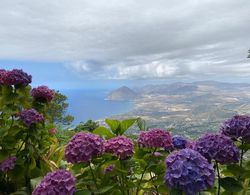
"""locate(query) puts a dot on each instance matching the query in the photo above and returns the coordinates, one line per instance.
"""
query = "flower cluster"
(15, 77)
(217, 147)
(155, 138)
(83, 147)
(60, 182)
(189, 171)
(179, 142)
(8, 164)
(3, 74)
(120, 146)
(109, 168)
(43, 94)
(237, 127)
(30, 116)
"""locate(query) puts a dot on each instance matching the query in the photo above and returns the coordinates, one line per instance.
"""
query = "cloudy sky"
(73, 43)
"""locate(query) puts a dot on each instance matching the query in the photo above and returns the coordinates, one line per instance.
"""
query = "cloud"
(130, 39)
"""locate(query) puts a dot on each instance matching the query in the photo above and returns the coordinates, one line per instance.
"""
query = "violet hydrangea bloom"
(83, 147)
(43, 94)
(3, 74)
(17, 77)
(237, 127)
(217, 147)
(119, 146)
(8, 164)
(59, 182)
(189, 171)
(109, 168)
(30, 116)
(155, 138)
(179, 142)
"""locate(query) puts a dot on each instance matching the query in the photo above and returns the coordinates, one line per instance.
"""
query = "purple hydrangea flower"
(189, 171)
(109, 168)
(43, 94)
(120, 146)
(179, 142)
(3, 74)
(17, 77)
(30, 116)
(83, 147)
(217, 147)
(8, 164)
(155, 138)
(60, 182)
(237, 127)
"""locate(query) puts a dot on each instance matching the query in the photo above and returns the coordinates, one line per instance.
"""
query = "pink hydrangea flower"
(83, 147)
(155, 138)
(120, 146)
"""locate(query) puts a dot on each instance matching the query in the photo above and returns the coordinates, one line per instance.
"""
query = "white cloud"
(130, 39)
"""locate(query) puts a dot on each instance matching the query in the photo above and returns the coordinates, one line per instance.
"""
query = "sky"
(108, 43)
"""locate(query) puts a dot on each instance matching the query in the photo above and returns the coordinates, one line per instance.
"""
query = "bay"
(85, 104)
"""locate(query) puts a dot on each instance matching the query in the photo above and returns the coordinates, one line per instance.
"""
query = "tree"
(87, 126)
(57, 110)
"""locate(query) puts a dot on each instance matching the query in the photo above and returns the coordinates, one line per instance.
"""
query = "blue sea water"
(91, 104)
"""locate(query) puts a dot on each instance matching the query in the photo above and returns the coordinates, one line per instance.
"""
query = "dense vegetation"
(38, 158)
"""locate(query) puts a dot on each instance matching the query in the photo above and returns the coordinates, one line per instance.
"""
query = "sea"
(86, 104)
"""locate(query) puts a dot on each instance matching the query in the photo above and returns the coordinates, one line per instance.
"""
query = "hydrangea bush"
(188, 171)
(83, 147)
(59, 182)
(110, 160)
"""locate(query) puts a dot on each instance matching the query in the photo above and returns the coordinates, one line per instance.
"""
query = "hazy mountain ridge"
(121, 94)
(191, 108)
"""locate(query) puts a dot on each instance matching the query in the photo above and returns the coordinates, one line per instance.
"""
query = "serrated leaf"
(104, 132)
(83, 192)
(114, 125)
(126, 124)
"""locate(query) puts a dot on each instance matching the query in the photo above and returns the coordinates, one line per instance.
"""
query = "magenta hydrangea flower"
(120, 146)
(17, 77)
(155, 138)
(3, 74)
(30, 116)
(189, 171)
(179, 142)
(60, 182)
(83, 147)
(43, 94)
(191, 144)
(109, 168)
(8, 164)
(217, 147)
(237, 127)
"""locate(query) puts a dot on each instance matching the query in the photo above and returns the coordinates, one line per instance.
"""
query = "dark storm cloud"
(130, 39)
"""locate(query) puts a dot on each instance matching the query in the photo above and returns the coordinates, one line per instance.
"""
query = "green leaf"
(175, 192)
(83, 192)
(104, 189)
(104, 132)
(230, 184)
(245, 147)
(126, 124)
(114, 125)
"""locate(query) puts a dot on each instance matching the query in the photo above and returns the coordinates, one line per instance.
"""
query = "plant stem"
(93, 176)
(155, 186)
(241, 154)
(138, 187)
(218, 174)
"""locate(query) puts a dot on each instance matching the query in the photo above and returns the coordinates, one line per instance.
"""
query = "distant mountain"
(123, 93)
